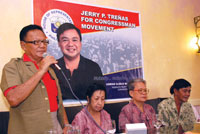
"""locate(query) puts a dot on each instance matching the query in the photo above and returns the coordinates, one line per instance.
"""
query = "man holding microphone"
(31, 87)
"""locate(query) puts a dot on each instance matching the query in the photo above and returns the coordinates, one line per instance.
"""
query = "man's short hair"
(179, 83)
(67, 26)
(131, 83)
(28, 28)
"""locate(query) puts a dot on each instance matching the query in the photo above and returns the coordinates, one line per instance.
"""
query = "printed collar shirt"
(169, 114)
(130, 113)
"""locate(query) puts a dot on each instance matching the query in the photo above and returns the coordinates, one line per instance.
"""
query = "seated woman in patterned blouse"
(96, 98)
(176, 111)
(137, 111)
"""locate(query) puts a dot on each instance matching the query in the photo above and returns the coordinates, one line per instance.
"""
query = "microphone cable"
(65, 77)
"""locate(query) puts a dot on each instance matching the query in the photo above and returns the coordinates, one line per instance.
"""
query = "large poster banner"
(111, 37)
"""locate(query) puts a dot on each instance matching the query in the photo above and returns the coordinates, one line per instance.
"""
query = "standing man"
(32, 89)
(80, 71)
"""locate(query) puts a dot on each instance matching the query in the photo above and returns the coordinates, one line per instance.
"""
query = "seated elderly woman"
(137, 111)
(93, 118)
(176, 111)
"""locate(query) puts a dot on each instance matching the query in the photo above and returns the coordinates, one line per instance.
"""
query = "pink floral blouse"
(88, 126)
(130, 113)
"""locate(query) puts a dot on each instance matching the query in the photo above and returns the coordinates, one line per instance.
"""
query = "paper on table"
(136, 128)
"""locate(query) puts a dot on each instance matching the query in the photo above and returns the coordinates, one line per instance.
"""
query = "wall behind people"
(167, 30)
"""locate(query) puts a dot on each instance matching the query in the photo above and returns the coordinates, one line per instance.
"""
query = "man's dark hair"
(28, 28)
(179, 83)
(67, 26)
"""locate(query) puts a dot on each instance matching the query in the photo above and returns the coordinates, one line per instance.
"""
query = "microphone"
(47, 54)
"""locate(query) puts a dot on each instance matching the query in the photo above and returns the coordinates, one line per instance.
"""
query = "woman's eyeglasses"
(142, 91)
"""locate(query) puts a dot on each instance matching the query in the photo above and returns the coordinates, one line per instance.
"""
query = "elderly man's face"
(183, 94)
(70, 44)
(34, 51)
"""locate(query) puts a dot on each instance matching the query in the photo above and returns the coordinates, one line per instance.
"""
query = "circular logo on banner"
(51, 20)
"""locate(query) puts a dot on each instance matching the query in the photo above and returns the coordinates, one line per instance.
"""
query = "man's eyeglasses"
(38, 42)
(142, 91)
